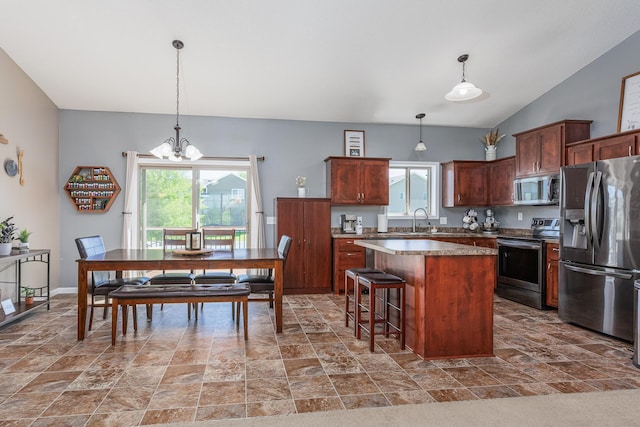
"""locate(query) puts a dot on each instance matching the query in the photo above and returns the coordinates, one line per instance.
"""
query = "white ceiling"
(366, 61)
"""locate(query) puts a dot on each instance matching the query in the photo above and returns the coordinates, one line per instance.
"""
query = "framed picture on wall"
(354, 143)
(629, 114)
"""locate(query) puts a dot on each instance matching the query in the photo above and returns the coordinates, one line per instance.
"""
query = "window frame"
(435, 187)
(195, 168)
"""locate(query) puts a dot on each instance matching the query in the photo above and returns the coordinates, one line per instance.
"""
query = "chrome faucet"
(426, 216)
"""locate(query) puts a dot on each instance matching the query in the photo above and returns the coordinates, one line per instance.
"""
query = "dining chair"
(173, 239)
(217, 239)
(101, 281)
(264, 283)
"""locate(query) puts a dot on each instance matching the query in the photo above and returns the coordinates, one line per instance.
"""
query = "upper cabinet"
(500, 175)
(603, 148)
(541, 151)
(464, 183)
(357, 180)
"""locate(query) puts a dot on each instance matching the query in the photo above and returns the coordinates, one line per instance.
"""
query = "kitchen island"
(449, 294)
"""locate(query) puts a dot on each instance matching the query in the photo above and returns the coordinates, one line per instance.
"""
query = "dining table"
(120, 260)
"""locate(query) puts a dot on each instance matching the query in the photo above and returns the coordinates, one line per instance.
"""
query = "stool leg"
(357, 302)
(387, 317)
(346, 300)
(372, 315)
(402, 318)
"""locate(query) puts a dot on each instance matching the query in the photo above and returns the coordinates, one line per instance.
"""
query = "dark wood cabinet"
(346, 255)
(541, 151)
(357, 181)
(579, 153)
(610, 148)
(308, 223)
(552, 255)
(500, 175)
(464, 183)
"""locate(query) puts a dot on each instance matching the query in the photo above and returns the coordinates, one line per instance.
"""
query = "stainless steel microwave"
(537, 190)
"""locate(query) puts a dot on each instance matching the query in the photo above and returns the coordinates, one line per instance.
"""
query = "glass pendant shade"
(464, 90)
(420, 146)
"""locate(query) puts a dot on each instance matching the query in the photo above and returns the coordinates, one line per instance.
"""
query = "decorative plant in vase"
(23, 236)
(301, 181)
(7, 235)
(29, 294)
(490, 141)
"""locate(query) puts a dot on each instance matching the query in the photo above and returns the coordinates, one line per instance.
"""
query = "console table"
(18, 261)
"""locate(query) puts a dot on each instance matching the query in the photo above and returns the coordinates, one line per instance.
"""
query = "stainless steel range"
(521, 273)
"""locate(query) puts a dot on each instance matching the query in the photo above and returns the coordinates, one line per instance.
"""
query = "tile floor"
(177, 370)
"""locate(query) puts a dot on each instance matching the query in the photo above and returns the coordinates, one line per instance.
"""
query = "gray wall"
(294, 148)
(593, 93)
(291, 149)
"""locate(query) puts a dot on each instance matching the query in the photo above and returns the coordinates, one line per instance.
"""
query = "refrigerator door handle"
(587, 207)
(606, 272)
(595, 221)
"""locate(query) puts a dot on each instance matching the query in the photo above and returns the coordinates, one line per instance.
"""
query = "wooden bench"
(192, 294)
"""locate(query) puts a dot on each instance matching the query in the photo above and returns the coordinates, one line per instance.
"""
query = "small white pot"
(302, 191)
(5, 249)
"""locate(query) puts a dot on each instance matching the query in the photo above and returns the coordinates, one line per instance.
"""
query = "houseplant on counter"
(7, 235)
(490, 141)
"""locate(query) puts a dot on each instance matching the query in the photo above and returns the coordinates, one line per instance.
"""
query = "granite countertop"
(372, 233)
(424, 247)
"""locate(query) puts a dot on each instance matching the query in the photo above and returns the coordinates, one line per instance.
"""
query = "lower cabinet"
(483, 242)
(552, 253)
(308, 222)
(346, 255)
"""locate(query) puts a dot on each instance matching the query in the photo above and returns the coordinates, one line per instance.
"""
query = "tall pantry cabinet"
(308, 222)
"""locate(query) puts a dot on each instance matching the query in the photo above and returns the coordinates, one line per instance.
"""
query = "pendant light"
(420, 145)
(175, 148)
(464, 90)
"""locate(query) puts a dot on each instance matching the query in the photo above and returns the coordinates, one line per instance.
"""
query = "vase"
(490, 152)
(5, 249)
(302, 191)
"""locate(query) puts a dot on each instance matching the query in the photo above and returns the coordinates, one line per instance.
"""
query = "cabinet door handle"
(362, 196)
(534, 166)
(458, 196)
(555, 249)
(549, 266)
(630, 151)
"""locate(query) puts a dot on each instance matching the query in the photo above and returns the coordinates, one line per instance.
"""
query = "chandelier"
(176, 148)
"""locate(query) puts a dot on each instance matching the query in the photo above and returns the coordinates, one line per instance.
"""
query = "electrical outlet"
(519, 216)
(271, 220)
(443, 220)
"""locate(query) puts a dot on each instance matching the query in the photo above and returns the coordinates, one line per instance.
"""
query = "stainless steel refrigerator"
(600, 244)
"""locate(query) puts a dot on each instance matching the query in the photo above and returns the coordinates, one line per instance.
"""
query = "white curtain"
(257, 238)
(130, 212)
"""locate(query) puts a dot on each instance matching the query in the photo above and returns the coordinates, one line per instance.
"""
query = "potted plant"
(7, 235)
(28, 293)
(23, 236)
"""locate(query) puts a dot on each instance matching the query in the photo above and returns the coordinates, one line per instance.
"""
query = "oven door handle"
(608, 273)
(516, 244)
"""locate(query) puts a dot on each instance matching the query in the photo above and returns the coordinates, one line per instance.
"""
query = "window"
(413, 185)
(191, 197)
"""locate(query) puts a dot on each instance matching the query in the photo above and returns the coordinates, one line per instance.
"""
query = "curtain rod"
(151, 156)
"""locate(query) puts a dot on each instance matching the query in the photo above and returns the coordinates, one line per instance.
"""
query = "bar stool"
(384, 282)
(352, 275)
